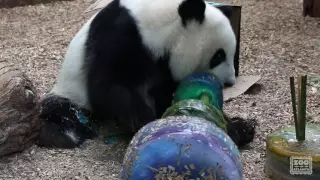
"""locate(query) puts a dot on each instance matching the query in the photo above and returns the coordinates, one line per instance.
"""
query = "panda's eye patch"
(218, 58)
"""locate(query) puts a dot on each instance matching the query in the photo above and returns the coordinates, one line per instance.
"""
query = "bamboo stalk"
(302, 103)
(294, 105)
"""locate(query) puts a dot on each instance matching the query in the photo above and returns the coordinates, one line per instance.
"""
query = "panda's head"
(197, 36)
(221, 62)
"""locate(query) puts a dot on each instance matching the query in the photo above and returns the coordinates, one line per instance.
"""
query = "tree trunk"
(14, 3)
(311, 8)
(19, 124)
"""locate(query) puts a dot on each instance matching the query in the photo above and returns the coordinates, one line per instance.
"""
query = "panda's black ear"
(192, 10)
(226, 10)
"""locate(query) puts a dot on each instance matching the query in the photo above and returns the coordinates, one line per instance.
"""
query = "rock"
(19, 124)
(14, 3)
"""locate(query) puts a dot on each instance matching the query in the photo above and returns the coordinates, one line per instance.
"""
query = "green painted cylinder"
(201, 86)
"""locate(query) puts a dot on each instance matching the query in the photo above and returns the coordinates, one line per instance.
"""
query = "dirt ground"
(276, 42)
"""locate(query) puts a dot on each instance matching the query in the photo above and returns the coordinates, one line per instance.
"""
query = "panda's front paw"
(63, 124)
(241, 131)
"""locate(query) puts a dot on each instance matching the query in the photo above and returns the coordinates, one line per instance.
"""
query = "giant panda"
(126, 61)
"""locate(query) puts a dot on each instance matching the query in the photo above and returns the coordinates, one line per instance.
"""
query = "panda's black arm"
(118, 68)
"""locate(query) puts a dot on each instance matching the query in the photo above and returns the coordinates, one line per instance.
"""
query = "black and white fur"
(125, 62)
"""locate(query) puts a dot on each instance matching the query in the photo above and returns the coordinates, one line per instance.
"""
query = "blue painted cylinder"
(182, 146)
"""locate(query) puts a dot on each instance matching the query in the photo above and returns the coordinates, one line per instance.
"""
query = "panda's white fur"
(71, 81)
(190, 48)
